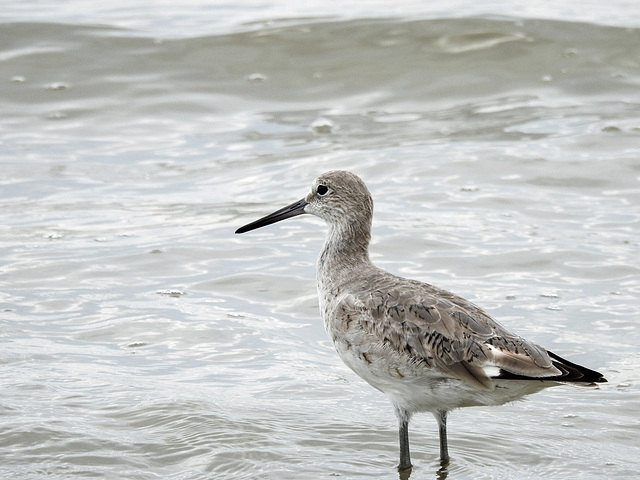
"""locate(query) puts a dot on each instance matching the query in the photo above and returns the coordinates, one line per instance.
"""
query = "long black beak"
(289, 211)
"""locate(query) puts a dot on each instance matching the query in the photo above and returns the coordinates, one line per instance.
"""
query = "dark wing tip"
(571, 373)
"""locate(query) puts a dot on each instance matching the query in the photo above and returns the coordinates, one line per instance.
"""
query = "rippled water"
(142, 339)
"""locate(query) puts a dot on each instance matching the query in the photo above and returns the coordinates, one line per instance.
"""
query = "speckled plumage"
(427, 349)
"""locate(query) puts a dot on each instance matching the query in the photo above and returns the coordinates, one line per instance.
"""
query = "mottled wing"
(446, 332)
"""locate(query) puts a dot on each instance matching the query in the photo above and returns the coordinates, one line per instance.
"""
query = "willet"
(427, 349)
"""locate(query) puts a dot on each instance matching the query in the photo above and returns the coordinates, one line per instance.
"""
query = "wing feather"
(446, 332)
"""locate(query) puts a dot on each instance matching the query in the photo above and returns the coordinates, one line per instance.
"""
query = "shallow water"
(142, 339)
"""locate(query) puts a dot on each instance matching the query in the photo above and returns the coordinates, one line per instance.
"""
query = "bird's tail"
(574, 373)
(570, 373)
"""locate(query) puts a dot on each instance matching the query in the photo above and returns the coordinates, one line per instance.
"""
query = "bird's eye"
(322, 190)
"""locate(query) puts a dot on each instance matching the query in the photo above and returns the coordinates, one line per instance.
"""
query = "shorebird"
(427, 349)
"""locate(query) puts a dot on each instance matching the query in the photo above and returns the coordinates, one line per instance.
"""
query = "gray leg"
(441, 417)
(405, 456)
(403, 422)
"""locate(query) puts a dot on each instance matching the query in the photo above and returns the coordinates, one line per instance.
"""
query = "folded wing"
(455, 337)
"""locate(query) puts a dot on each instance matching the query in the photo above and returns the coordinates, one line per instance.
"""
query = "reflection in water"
(405, 473)
(443, 472)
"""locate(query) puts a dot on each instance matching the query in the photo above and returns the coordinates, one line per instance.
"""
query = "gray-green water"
(141, 339)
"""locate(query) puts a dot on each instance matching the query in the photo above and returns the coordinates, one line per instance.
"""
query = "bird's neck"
(345, 253)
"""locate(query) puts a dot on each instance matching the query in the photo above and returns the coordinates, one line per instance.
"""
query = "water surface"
(142, 339)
